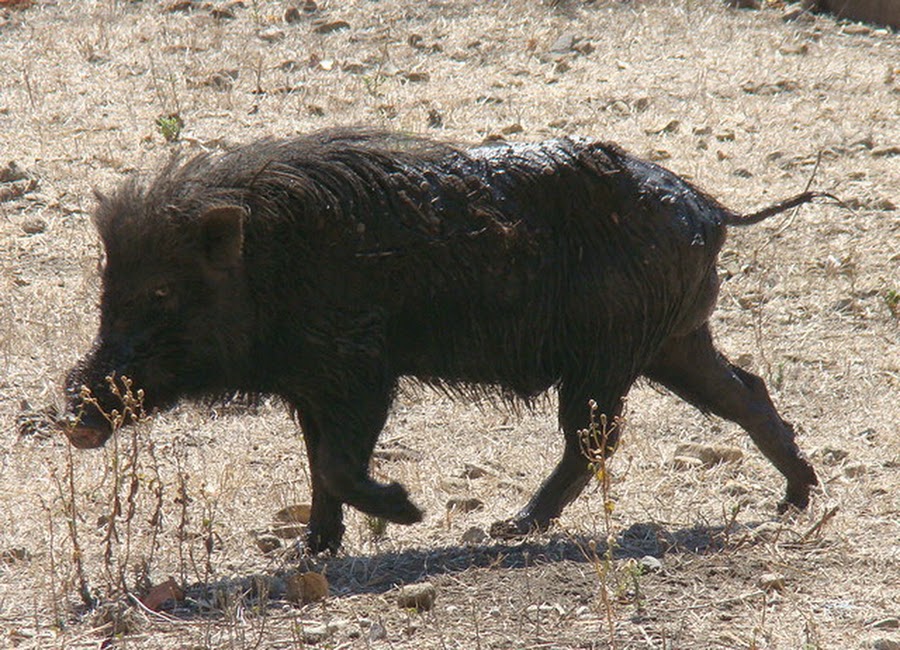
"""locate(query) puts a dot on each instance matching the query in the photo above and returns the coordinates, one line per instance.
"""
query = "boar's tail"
(733, 219)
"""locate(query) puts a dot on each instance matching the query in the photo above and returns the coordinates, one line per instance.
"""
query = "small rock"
(657, 155)
(857, 29)
(886, 644)
(222, 13)
(564, 43)
(883, 152)
(315, 633)
(10, 191)
(650, 564)
(376, 632)
(268, 543)
(474, 535)
(397, 451)
(735, 488)
(471, 470)
(451, 485)
(305, 588)
(686, 462)
(891, 623)
(416, 76)
(12, 172)
(464, 504)
(15, 554)
(794, 48)
(271, 34)
(671, 126)
(184, 6)
(855, 470)
(512, 129)
(709, 455)
(435, 119)
(418, 596)
(330, 26)
(833, 455)
(292, 15)
(295, 514)
(771, 582)
(796, 14)
(354, 67)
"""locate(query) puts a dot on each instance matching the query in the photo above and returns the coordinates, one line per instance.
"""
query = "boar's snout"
(86, 427)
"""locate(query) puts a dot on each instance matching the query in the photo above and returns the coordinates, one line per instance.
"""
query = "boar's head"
(173, 310)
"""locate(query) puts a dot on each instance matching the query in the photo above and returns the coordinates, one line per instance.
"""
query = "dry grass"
(807, 303)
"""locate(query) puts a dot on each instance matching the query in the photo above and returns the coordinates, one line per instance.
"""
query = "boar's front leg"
(340, 433)
(693, 369)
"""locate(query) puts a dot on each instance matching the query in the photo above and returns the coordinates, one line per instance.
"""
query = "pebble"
(855, 470)
(709, 455)
(886, 644)
(891, 623)
(268, 543)
(12, 172)
(564, 43)
(298, 513)
(315, 633)
(304, 588)
(419, 596)
(464, 504)
(271, 34)
(771, 582)
(15, 554)
(331, 26)
(883, 152)
(833, 455)
(736, 488)
(376, 632)
(34, 226)
(797, 14)
(474, 535)
(650, 564)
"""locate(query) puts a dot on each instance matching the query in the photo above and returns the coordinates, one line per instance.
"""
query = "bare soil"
(747, 105)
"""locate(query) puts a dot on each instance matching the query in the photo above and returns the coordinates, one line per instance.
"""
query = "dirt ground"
(748, 105)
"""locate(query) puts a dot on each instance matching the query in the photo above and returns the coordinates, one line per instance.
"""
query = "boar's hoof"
(84, 437)
(797, 497)
(397, 506)
(318, 542)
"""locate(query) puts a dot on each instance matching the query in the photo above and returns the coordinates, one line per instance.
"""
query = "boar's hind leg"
(339, 442)
(573, 472)
(694, 370)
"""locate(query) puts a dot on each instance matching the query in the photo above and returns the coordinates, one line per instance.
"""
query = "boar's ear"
(222, 235)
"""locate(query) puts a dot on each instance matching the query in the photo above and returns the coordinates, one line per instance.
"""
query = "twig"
(828, 516)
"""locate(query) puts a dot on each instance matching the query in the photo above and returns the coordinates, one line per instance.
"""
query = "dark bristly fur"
(323, 268)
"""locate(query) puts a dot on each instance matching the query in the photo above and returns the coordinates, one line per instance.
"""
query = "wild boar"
(323, 268)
